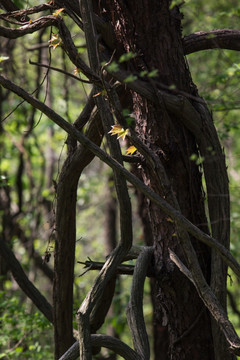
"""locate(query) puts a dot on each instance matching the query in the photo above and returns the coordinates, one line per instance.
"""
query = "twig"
(96, 265)
(60, 70)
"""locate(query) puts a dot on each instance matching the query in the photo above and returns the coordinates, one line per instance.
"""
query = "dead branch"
(96, 265)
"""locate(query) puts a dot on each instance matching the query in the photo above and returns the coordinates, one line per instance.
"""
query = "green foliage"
(20, 3)
(24, 334)
(126, 57)
(113, 67)
(130, 78)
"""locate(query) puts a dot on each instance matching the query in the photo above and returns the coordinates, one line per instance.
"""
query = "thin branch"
(214, 39)
(22, 13)
(97, 265)
(61, 71)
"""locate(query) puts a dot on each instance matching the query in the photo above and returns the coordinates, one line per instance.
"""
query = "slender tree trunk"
(76, 161)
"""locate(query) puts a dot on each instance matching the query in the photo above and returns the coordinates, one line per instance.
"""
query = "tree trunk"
(152, 31)
(76, 161)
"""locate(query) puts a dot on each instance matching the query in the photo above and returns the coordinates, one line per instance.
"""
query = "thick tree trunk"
(153, 32)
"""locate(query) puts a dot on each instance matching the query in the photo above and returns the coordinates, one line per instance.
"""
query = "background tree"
(137, 65)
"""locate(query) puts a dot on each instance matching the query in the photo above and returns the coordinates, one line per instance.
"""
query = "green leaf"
(113, 67)
(153, 73)
(130, 78)
(126, 57)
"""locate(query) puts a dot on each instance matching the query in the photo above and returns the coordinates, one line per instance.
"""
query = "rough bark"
(152, 31)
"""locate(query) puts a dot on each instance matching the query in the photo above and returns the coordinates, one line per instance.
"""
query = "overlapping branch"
(166, 208)
(29, 28)
(93, 299)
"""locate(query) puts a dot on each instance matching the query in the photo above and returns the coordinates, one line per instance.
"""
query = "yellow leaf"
(55, 41)
(170, 220)
(119, 130)
(58, 12)
(131, 150)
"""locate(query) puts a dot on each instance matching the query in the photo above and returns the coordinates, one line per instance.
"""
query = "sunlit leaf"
(55, 41)
(100, 93)
(58, 12)
(119, 130)
(77, 71)
(131, 150)
(3, 58)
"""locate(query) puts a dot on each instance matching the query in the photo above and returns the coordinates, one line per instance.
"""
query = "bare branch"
(30, 28)
(60, 70)
(14, 12)
(96, 265)
(214, 39)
